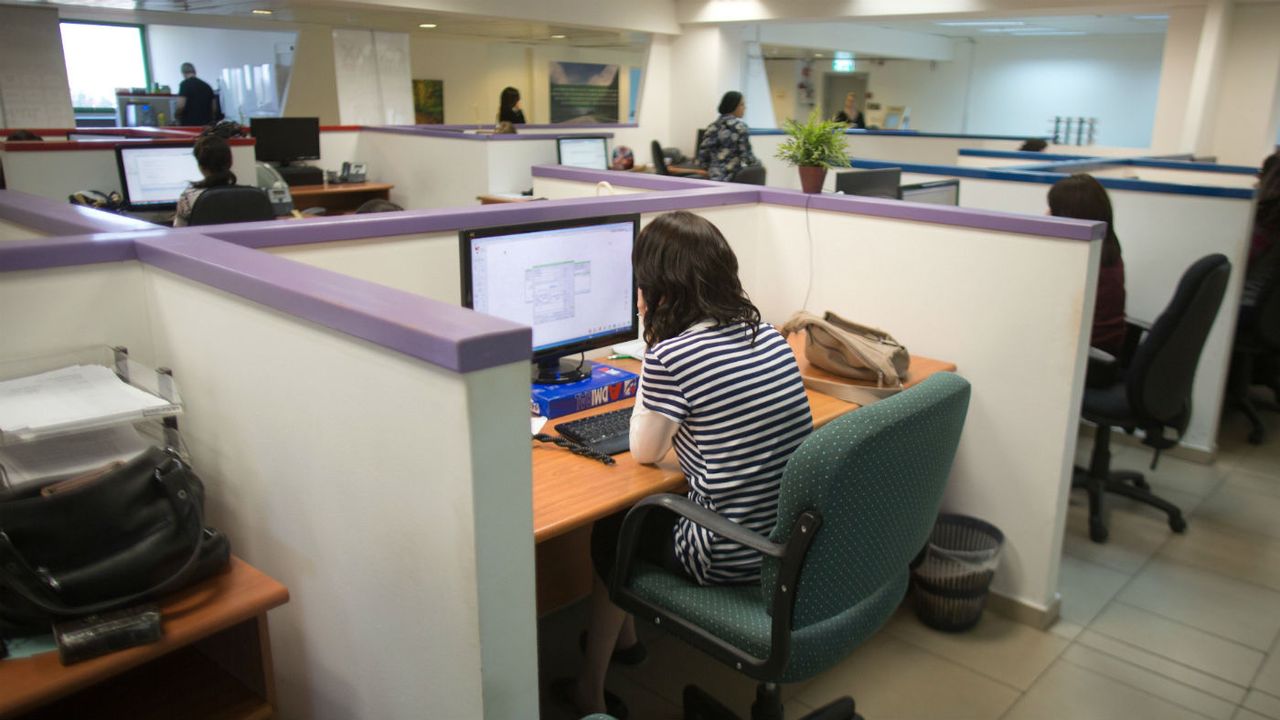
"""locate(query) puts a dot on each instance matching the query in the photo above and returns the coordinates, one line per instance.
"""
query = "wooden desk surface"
(570, 491)
(241, 593)
(337, 188)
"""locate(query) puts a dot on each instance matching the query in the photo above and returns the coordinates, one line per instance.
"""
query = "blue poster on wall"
(584, 93)
(635, 94)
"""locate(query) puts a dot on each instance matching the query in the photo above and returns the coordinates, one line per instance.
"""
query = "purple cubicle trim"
(531, 126)
(61, 218)
(66, 251)
(422, 222)
(439, 333)
(430, 131)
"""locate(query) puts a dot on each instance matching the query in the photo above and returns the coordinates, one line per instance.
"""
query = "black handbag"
(129, 535)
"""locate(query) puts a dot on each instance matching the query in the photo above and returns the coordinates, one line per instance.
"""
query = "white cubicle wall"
(1015, 459)
(15, 231)
(1161, 234)
(388, 493)
(1198, 178)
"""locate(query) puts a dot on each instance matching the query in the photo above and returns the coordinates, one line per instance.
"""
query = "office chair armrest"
(1101, 356)
(698, 515)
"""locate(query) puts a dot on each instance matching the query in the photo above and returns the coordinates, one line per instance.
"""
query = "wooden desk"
(338, 199)
(571, 492)
(500, 198)
(214, 661)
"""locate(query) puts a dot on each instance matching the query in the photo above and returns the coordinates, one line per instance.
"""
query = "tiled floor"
(1154, 625)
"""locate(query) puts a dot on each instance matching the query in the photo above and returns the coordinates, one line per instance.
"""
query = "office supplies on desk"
(65, 456)
(608, 433)
(605, 385)
(89, 637)
(72, 398)
(277, 189)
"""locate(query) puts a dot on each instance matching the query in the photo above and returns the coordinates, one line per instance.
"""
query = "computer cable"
(808, 230)
(574, 448)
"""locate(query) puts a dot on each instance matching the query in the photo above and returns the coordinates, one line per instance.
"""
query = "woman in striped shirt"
(723, 389)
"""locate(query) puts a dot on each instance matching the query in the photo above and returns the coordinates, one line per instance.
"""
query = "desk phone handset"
(353, 172)
(575, 448)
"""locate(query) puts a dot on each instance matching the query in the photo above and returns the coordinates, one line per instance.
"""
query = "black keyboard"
(608, 433)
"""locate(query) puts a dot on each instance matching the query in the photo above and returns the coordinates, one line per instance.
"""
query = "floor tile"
(1133, 540)
(1068, 690)
(1268, 484)
(1001, 649)
(1246, 714)
(1263, 704)
(1235, 505)
(1164, 656)
(1066, 630)
(1227, 551)
(1142, 679)
(1086, 588)
(1231, 609)
(1183, 476)
(1268, 679)
(894, 680)
(1265, 459)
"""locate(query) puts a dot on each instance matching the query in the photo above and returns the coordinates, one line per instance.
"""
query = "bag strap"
(857, 394)
(175, 479)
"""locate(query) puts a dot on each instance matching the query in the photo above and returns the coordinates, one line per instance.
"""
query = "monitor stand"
(301, 174)
(558, 371)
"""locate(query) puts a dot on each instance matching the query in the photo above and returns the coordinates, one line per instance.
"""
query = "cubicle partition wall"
(365, 446)
(26, 217)
(1163, 228)
(1015, 458)
(974, 157)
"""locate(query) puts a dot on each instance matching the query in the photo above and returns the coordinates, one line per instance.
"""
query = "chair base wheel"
(1256, 436)
(1178, 524)
(1098, 531)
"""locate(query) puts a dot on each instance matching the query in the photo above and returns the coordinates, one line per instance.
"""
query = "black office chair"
(231, 204)
(1255, 355)
(659, 160)
(749, 175)
(1154, 392)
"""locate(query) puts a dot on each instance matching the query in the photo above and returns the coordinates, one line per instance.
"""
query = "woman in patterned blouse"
(726, 146)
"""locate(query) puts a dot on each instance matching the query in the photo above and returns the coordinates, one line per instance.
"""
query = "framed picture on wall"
(584, 93)
(428, 102)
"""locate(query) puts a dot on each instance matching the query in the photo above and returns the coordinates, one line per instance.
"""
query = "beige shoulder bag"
(867, 363)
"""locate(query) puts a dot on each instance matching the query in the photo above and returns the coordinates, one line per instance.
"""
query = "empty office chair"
(858, 501)
(749, 175)
(1255, 355)
(1154, 393)
(231, 204)
(659, 160)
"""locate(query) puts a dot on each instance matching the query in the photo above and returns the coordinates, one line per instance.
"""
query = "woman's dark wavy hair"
(507, 101)
(1267, 217)
(1082, 197)
(213, 155)
(688, 273)
(729, 102)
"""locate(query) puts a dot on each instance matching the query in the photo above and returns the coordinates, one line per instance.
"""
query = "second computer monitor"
(881, 183)
(286, 139)
(936, 192)
(583, 152)
(152, 178)
(571, 281)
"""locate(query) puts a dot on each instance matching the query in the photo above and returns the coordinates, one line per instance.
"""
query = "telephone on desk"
(352, 172)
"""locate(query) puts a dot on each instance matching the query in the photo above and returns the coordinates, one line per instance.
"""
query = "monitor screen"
(570, 281)
(152, 178)
(284, 140)
(882, 183)
(583, 152)
(939, 192)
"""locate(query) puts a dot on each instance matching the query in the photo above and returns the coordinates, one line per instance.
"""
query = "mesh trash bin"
(953, 574)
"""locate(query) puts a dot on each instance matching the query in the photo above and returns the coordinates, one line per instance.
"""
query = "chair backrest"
(749, 175)
(876, 475)
(659, 160)
(231, 204)
(1159, 378)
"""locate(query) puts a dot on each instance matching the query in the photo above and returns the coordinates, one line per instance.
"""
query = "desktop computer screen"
(881, 183)
(152, 178)
(937, 192)
(571, 281)
(583, 152)
(285, 140)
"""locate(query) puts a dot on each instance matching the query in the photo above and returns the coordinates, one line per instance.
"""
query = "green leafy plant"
(817, 142)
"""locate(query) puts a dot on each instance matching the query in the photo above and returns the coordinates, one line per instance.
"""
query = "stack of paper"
(70, 399)
(65, 456)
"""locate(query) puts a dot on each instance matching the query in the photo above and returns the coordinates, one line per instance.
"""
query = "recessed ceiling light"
(559, 37)
(427, 26)
(818, 55)
(261, 12)
(980, 23)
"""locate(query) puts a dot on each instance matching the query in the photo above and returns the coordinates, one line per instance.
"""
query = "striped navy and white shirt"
(742, 412)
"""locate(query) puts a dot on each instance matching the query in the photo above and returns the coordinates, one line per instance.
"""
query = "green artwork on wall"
(428, 102)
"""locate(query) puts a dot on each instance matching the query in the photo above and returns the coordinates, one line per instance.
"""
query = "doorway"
(836, 85)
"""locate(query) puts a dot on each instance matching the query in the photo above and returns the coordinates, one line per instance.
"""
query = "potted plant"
(813, 146)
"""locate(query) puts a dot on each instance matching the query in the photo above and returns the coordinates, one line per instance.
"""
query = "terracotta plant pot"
(811, 178)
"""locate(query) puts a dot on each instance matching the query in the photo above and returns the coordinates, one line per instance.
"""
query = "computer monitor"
(285, 140)
(583, 152)
(937, 192)
(152, 178)
(570, 280)
(881, 183)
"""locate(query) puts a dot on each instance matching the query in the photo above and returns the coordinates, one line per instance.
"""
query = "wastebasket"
(953, 575)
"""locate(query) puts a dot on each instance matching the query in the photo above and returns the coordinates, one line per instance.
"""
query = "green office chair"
(858, 501)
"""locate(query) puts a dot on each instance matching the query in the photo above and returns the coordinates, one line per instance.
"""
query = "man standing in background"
(197, 103)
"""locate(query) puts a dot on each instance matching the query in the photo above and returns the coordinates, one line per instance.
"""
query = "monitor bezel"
(560, 155)
(932, 185)
(873, 172)
(555, 351)
(129, 204)
(257, 147)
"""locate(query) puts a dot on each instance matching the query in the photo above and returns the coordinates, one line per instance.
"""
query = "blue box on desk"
(606, 384)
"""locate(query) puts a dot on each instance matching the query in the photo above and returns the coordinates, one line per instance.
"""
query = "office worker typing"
(723, 389)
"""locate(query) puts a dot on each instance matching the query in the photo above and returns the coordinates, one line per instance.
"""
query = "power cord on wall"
(808, 231)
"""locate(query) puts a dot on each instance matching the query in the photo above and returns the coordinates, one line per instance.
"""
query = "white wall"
(33, 76)
(373, 77)
(1247, 112)
(13, 231)
(210, 50)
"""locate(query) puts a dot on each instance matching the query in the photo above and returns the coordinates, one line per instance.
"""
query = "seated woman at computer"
(723, 389)
(509, 107)
(1083, 197)
(851, 115)
(726, 145)
(213, 155)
